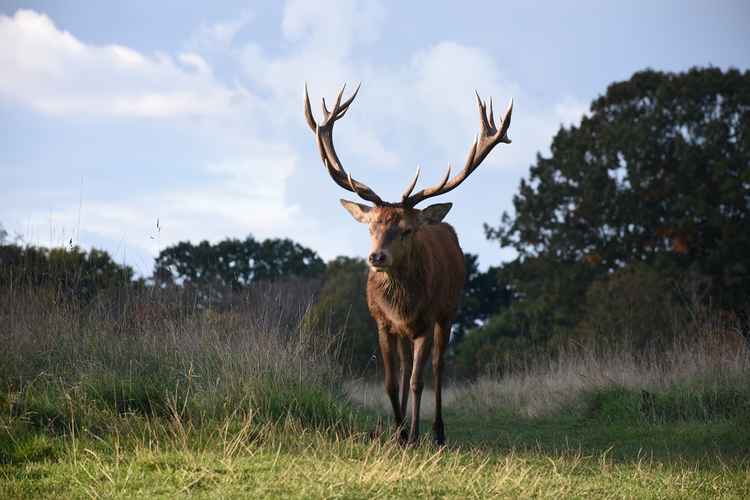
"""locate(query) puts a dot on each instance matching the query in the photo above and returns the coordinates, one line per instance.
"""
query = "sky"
(130, 126)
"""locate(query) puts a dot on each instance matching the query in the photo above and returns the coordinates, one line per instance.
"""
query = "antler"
(324, 135)
(488, 137)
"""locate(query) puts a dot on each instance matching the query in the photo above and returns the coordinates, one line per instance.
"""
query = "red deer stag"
(416, 265)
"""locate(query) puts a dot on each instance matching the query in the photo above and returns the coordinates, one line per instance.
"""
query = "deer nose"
(377, 258)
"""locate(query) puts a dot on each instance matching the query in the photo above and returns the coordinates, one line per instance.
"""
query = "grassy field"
(152, 396)
(498, 457)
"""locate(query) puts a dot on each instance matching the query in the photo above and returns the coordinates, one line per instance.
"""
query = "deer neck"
(403, 284)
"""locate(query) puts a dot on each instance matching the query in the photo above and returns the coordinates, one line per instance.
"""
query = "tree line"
(639, 213)
(638, 210)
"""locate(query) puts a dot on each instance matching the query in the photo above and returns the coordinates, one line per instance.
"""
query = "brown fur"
(413, 300)
(423, 288)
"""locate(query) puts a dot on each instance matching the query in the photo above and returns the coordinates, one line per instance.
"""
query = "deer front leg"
(421, 351)
(404, 354)
(387, 347)
(442, 332)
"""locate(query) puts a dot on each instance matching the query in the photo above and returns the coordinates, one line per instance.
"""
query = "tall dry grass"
(704, 373)
(155, 352)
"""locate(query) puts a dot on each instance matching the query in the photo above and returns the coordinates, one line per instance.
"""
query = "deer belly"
(408, 325)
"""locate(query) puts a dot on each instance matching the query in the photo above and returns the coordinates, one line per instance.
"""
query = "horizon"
(119, 116)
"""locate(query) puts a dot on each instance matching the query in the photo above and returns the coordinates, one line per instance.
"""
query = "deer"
(416, 265)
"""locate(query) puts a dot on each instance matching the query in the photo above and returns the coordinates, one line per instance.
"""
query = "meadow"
(150, 393)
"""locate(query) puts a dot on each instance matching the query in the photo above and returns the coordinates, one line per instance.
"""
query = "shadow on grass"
(625, 425)
(699, 442)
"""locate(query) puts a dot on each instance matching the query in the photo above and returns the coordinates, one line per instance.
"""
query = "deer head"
(393, 224)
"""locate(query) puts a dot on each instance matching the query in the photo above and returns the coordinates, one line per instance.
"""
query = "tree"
(658, 172)
(485, 293)
(233, 263)
(342, 307)
(72, 271)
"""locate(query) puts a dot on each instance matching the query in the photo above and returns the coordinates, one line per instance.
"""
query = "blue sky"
(119, 114)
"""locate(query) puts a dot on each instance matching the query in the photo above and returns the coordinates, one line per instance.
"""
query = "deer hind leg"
(387, 347)
(421, 351)
(404, 354)
(442, 332)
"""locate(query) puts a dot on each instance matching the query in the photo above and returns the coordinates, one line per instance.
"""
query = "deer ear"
(361, 213)
(434, 213)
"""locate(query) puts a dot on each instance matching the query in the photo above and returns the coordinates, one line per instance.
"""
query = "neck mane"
(402, 284)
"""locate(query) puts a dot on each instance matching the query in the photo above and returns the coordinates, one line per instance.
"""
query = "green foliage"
(68, 369)
(538, 310)
(687, 402)
(485, 293)
(233, 263)
(71, 271)
(29, 448)
(659, 172)
(342, 307)
(651, 190)
(635, 305)
(503, 342)
(225, 404)
(703, 402)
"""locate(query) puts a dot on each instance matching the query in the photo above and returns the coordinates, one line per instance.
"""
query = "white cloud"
(195, 61)
(53, 72)
(570, 111)
(334, 27)
(220, 34)
(245, 195)
(421, 106)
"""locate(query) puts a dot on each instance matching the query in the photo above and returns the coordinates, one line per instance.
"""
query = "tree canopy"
(657, 172)
(485, 293)
(234, 263)
(647, 198)
(74, 272)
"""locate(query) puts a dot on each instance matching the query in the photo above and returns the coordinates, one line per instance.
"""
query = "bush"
(341, 306)
(75, 273)
(635, 305)
(500, 345)
(701, 374)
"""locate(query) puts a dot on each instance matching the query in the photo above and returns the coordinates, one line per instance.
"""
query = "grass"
(155, 396)
(498, 458)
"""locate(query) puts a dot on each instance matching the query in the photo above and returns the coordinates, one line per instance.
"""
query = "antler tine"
(308, 112)
(326, 114)
(506, 123)
(334, 113)
(345, 104)
(482, 113)
(410, 201)
(411, 186)
(488, 137)
(353, 185)
(445, 179)
(492, 118)
(324, 138)
(338, 99)
(339, 108)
